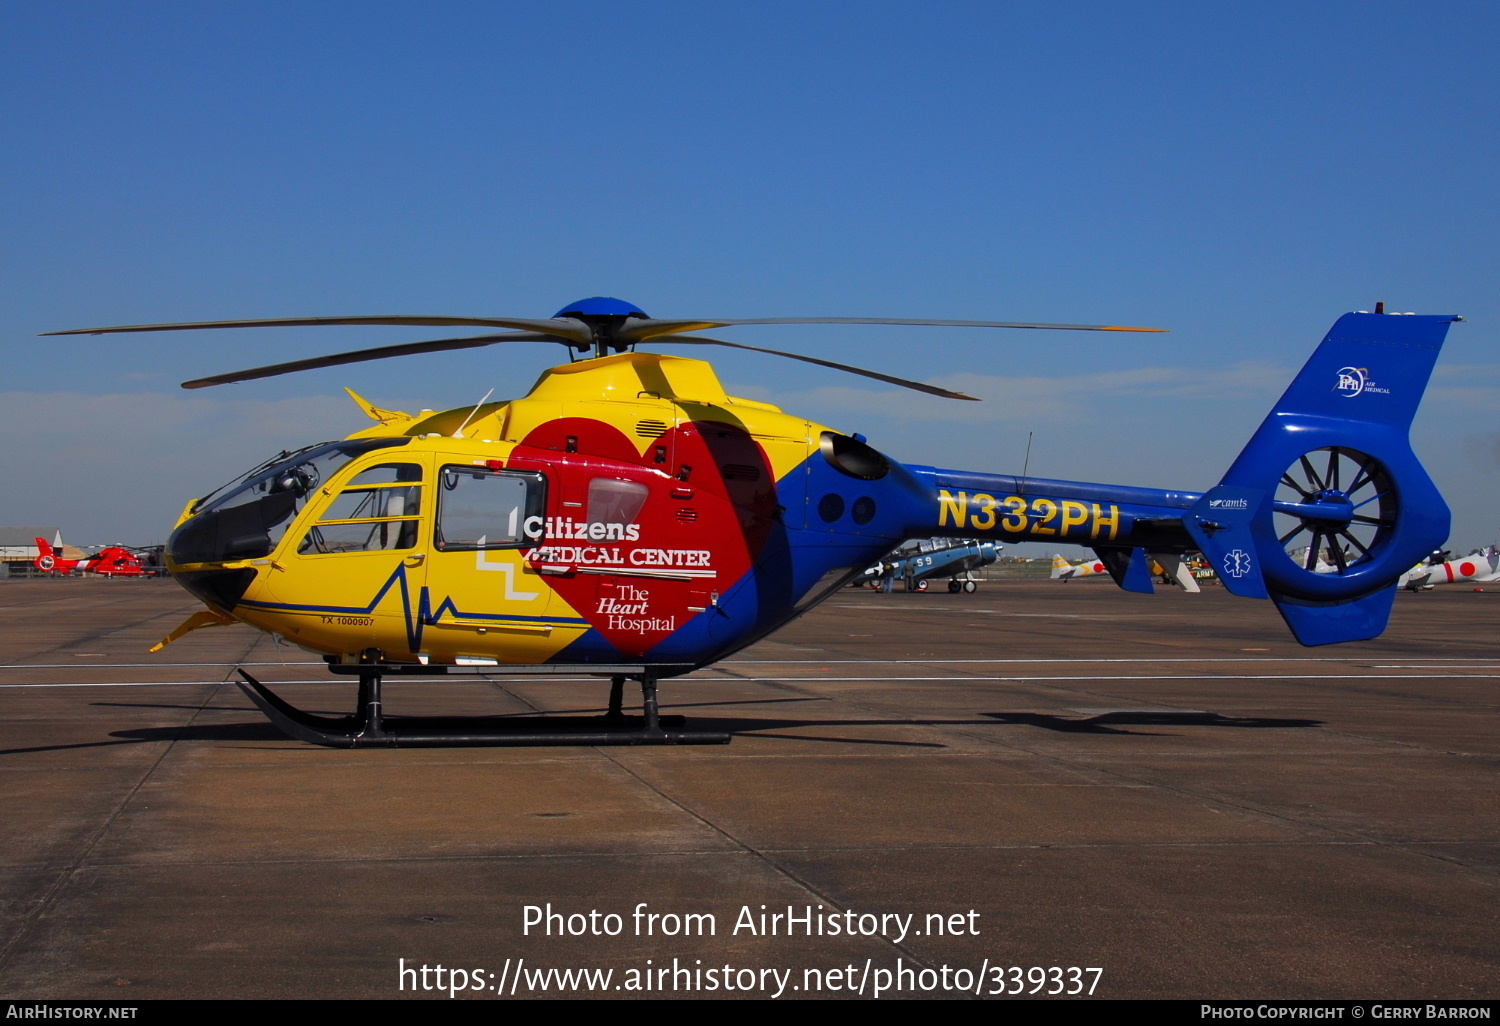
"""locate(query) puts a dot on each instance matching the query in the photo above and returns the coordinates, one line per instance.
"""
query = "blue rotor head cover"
(600, 306)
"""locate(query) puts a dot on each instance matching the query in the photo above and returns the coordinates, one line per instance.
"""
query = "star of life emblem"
(1237, 563)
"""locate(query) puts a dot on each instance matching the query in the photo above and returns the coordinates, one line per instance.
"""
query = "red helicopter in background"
(112, 561)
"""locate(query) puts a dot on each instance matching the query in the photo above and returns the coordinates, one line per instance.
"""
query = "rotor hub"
(1335, 506)
(604, 317)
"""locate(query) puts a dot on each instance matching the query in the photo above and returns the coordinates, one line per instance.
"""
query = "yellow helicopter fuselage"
(621, 498)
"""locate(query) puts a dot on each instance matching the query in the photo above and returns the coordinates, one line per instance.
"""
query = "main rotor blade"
(698, 340)
(638, 330)
(562, 327)
(361, 355)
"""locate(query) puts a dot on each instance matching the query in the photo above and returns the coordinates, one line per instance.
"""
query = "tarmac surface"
(1167, 789)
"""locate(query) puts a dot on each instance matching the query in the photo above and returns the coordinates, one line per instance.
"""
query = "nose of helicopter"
(190, 547)
(220, 589)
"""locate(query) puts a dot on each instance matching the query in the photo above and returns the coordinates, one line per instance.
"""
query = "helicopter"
(627, 518)
(110, 561)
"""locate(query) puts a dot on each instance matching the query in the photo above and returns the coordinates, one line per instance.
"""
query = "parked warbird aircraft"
(627, 518)
(1478, 567)
(1062, 570)
(1166, 567)
(919, 560)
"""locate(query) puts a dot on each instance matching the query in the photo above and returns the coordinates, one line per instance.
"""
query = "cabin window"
(490, 509)
(613, 501)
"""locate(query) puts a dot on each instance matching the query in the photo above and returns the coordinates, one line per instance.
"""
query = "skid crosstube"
(367, 727)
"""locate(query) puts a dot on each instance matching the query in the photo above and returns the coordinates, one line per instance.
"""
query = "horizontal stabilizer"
(1131, 568)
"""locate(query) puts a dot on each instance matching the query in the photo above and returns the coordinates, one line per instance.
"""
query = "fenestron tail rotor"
(1339, 501)
(600, 324)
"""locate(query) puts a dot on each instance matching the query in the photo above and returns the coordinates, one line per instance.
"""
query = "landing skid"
(368, 727)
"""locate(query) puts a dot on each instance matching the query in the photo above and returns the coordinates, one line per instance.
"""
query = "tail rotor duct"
(1338, 503)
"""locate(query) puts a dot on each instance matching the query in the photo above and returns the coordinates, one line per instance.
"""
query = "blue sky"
(1240, 174)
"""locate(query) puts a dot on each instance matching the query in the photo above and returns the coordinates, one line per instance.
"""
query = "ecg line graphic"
(424, 615)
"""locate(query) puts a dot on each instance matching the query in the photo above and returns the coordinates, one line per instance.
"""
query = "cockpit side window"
(375, 503)
(377, 511)
(490, 509)
(386, 473)
(248, 519)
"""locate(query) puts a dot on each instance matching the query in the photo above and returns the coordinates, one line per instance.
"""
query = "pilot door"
(348, 578)
(486, 603)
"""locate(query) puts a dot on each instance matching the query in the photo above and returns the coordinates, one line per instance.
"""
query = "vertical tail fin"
(1331, 468)
(47, 558)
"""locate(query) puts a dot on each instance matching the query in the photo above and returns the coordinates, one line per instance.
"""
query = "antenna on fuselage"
(1021, 489)
(460, 432)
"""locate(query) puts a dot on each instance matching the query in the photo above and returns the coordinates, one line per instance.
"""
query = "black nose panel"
(221, 589)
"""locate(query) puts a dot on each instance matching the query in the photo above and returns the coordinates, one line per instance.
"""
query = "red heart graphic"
(709, 508)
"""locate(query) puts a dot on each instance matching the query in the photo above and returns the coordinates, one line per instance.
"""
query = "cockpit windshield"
(246, 519)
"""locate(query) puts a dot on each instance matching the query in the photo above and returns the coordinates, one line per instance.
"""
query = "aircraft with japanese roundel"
(111, 561)
(1062, 570)
(1167, 567)
(628, 518)
(1479, 567)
